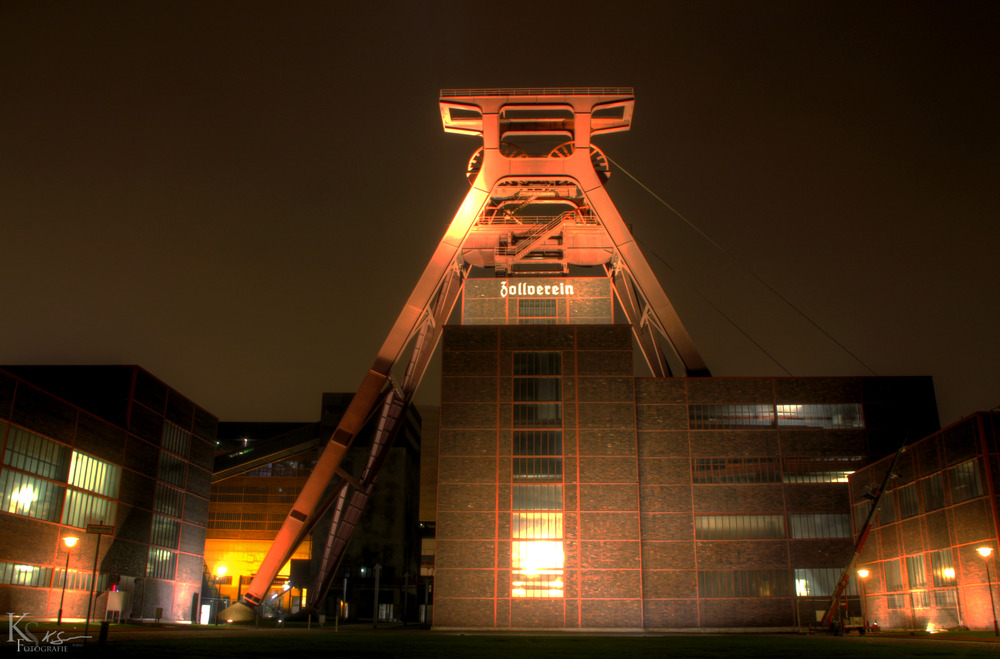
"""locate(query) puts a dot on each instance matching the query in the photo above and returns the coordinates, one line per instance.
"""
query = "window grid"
(933, 490)
(19, 574)
(827, 416)
(36, 455)
(82, 509)
(739, 527)
(30, 496)
(965, 480)
(821, 582)
(743, 583)
(537, 312)
(166, 532)
(176, 439)
(820, 526)
(168, 500)
(94, 475)
(172, 469)
(162, 563)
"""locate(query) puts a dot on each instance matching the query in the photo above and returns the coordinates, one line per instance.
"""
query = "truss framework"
(537, 205)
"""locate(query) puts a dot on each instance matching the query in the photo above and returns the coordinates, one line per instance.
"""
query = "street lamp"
(220, 572)
(985, 553)
(863, 573)
(70, 541)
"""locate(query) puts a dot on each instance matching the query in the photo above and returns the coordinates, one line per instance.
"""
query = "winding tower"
(537, 206)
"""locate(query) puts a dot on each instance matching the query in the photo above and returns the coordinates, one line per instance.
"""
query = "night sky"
(240, 196)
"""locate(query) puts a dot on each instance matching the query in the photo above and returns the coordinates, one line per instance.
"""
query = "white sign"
(524, 289)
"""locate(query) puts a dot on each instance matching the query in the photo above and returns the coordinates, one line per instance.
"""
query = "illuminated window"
(943, 567)
(820, 416)
(821, 582)
(537, 554)
(30, 496)
(94, 475)
(820, 470)
(17, 574)
(723, 417)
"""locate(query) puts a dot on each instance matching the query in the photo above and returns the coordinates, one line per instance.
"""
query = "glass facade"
(537, 556)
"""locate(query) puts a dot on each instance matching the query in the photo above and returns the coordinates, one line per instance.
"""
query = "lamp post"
(70, 541)
(863, 574)
(985, 553)
(220, 572)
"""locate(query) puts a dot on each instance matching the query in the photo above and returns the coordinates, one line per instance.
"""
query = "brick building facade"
(106, 445)
(923, 559)
(574, 495)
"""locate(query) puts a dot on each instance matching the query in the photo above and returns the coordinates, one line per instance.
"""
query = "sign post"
(99, 530)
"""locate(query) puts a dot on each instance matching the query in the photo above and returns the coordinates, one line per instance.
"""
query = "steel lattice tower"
(537, 205)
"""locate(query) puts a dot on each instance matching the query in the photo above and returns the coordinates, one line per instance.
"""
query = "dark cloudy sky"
(239, 196)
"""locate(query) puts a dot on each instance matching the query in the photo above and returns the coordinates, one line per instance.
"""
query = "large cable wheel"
(597, 159)
(507, 150)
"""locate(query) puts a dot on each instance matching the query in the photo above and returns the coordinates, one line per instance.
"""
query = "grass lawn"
(302, 644)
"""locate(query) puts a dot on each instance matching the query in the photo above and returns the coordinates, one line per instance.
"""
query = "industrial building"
(930, 560)
(115, 458)
(574, 495)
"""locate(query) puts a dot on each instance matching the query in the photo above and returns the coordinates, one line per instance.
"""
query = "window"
(943, 567)
(820, 416)
(166, 532)
(821, 582)
(736, 470)
(537, 555)
(162, 563)
(532, 311)
(30, 496)
(820, 526)
(945, 598)
(17, 574)
(887, 508)
(893, 575)
(895, 601)
(176, 440)
(907, 497)
(966, 483)
(820, 470)
(933, 488)
(738, 527)
(915, 571)
(172, 470)
(537, 389)
(168, 500)
(94, 475)
(743, 583)
(82, 509)
(537, 363)
(723, 417)
(37, 455)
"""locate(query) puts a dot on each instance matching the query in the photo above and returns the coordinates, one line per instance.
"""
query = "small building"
(110, 449)
(939, 509)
